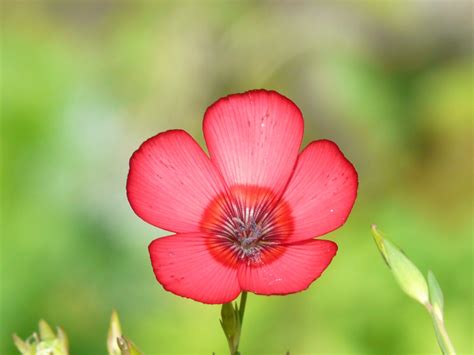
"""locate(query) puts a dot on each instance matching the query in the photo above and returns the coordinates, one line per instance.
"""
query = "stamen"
(247, 235)
(249, 222)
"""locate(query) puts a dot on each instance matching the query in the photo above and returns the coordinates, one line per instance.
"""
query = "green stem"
(442, 335)
(243, 302)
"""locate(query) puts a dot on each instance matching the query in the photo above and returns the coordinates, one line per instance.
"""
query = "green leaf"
(436, 295)
(410, 279)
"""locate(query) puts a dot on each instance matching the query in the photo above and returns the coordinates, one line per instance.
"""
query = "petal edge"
(298, 266)
(254, 138)
(321, 192)
(183, 265)
(171, 181)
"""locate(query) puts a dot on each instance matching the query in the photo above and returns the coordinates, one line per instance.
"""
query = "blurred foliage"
(46, 342)
(43, 342)
(84, 83)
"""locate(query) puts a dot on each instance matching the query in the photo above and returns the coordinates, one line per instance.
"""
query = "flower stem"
(243, 302)
(441, 334)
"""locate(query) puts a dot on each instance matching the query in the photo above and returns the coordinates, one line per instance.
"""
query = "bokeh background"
(84, 83)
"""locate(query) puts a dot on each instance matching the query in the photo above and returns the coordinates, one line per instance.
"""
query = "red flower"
(245, 218)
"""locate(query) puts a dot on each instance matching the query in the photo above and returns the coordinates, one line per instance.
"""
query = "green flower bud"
(45, 331)
(21, 345)
(230, 322)
(117, 344)
(408, 276)
(127, 347)
(230, 319)
(115, 331)
(47, 342)
(63, 341)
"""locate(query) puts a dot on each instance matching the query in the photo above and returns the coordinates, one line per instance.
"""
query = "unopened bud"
(45, 331)
(21, 345)
(408, 276)
(230, 322)
(115, 331)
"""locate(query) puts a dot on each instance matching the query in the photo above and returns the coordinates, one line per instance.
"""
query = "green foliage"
(44, 342)
(48, 342)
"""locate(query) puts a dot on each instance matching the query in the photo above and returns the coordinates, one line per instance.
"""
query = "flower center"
(248, 223)
(248, 236)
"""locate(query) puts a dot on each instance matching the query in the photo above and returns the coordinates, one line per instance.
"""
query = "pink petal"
(287, 268)
(254, 137)
(189, 265)
(171, 182)
(321, 191)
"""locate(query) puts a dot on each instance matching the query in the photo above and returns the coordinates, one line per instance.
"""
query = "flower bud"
(230, 319)
(230, 322)
(21, 345)
(408, 276)
(63, 341)
(45, 331)
(115, 331)
(117, 344)
(127, 347)
(47, 342)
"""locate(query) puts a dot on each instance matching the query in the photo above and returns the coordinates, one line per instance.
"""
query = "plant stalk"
(441, 334)
(243, 302)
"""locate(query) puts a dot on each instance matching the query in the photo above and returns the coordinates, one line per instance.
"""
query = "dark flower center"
(248, 236)
(248, 223)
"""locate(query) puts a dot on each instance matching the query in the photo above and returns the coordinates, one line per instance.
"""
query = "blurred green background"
(84, 83)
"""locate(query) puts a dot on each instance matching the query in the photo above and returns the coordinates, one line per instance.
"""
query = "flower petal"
(171, 182)
(321, 191)
(254, 138)
(185, 264)
(287, 268)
